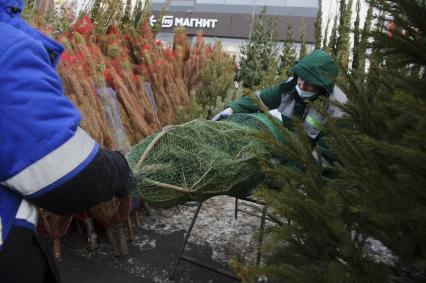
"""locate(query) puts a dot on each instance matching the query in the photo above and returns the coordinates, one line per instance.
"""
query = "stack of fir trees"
(124, 83)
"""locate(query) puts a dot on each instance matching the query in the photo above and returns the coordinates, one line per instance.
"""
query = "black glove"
(107, 175)
(129, 187)
(130, 183)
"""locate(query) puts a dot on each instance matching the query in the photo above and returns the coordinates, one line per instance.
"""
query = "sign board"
(229, 25)
(170, 21)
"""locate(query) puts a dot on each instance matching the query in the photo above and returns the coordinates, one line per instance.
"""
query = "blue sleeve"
(35, 116)
(36, 119)
(50, 159)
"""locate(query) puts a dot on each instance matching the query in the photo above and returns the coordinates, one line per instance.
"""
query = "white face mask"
(304, 93)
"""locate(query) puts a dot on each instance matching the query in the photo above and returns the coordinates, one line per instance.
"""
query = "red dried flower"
(83, 25)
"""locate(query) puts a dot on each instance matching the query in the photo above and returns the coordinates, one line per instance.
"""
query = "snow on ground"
(216, 237)
(215, 225)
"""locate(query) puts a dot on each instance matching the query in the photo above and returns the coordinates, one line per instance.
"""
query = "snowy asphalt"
(216, 238)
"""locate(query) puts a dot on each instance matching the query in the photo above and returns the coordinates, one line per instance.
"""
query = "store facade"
(230, 20)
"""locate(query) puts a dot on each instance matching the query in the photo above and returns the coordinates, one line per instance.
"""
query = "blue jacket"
(41, 144)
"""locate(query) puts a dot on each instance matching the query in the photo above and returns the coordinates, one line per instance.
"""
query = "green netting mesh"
(198, 160)
(258, 121)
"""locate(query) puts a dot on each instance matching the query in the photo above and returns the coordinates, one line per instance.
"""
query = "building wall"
(230, 25)
(305, 8)
(230, 20)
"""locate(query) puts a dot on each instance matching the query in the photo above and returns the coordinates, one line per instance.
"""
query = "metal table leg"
(222, 271)
(236, 208)
(262, 228)
(262, 222)
(185, 241)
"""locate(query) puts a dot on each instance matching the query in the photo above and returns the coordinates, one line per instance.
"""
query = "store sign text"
(171, 21)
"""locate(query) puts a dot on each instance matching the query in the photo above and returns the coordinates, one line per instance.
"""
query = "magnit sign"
(172, 21)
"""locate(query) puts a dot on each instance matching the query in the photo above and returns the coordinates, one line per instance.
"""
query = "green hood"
(317, 68)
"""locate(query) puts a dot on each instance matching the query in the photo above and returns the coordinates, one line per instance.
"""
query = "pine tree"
(363, 217)
(332, 46)
(216, 89)
(391, 192)
(260, 52)
(357, 30)
(289, 55)
(270, 78)
(318, 27)
(217, 80)
(313, 237)
(325, 39)
(376, 58)
(365, 35)
(342, 9)
(303, 50)
(344, 36)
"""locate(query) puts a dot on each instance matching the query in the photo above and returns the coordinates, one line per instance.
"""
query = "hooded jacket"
(46, 159)
(317, 68)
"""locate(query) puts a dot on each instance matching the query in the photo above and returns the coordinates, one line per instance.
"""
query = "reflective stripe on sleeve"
(56, 167)
(27, 215)
(312, 121)
(312, 126)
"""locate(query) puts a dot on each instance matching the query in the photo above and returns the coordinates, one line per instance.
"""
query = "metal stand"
(219, 270)
(262, 222)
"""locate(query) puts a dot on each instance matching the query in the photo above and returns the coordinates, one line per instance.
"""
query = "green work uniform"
(317, 68)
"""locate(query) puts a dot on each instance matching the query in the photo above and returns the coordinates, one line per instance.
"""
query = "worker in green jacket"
(314, 77)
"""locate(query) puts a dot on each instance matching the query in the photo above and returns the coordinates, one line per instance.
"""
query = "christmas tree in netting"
(200, 159)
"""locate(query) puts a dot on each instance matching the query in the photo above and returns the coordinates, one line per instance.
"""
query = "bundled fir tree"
(363, 217)
(260, 52)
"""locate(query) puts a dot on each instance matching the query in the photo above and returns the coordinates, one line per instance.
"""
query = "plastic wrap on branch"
(198, 160)
(80, 90)
(109, 103)
(151, 100)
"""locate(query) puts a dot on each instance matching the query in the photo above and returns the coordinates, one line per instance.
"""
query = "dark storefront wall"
(238, 25)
